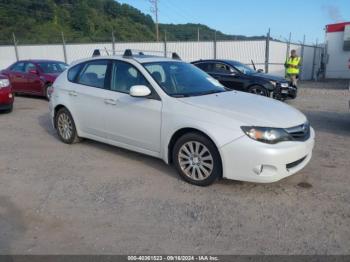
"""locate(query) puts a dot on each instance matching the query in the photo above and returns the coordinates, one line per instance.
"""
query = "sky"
(254, 17)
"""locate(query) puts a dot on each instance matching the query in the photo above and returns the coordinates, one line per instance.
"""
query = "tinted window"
(52, 67)
(18, 67)
(124, 76)
(29, 67)
(204, 66)
(221, 68)
(182, 79)
(73, 72)
(243, 68)
(94, 74)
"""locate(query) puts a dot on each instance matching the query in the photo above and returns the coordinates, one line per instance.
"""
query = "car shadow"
(31, 96)
(330, 122)
(156, 163)
(11, 224)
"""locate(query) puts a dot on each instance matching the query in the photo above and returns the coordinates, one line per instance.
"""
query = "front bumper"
(248, 160)
(289, 92)
(6, 98)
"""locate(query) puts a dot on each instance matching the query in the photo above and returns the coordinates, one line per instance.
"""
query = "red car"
(34, 77)
(6, 95)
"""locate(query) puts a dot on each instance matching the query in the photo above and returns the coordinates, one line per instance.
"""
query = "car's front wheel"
(258, 90)
(48, 90)
(65, 125)
(197, 159)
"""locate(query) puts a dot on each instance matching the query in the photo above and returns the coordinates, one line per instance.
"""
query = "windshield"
(52, 67)
(180, 79)
(243, 68)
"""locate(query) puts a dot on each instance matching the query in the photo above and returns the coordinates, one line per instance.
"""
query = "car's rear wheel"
(258, 90)
(65, 125)
(197, 159)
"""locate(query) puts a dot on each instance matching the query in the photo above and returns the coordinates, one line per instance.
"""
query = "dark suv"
(237, 76)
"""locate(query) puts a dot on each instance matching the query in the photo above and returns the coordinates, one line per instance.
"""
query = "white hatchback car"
(172, 110)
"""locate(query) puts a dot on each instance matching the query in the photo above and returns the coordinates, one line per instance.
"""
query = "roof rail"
(127, 53)
(96, 53)
(175, 56)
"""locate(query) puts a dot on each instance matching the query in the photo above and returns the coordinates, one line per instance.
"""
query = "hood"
(249, 109)
(270, 77)
(3, 76)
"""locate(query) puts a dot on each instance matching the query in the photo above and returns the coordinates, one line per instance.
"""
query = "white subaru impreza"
(172, 110)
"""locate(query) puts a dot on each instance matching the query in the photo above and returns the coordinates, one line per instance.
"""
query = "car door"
(17, 77)
(227, 75)
(133, 121)
(33, 83)
(88, 98)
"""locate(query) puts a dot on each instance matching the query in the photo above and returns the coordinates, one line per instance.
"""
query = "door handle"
(73, 93)
(110, 101)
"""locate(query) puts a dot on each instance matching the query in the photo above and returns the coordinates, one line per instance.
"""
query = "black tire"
(198, 162)
(10, 109)
(62, 127)
(258, 90)
(46, 90)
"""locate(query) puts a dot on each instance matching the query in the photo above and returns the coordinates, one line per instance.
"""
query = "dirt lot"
(92, 198)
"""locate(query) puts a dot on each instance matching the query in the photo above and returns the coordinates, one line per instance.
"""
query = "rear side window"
(94, 74)
(73, 72)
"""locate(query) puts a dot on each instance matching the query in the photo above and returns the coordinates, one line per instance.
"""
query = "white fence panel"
(308, 58)
(191, 51)
(52, 52)
(277, 58)
(7, 56)
(278, 52)
(81, 51)
(152, 47)
(243, 51)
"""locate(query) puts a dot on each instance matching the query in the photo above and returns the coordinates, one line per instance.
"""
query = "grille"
(299, 133)
(296, 163)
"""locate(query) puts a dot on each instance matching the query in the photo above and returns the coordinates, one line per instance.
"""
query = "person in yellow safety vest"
(292, 66)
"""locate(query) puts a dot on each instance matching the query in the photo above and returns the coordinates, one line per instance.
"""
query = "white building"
(338, 50)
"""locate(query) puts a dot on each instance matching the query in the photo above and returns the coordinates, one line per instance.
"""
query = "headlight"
(4, 83)
(273, 83)
(267, 135)
(284, 85)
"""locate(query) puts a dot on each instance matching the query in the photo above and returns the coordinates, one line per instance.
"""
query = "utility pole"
(155, 10)
(198, 34)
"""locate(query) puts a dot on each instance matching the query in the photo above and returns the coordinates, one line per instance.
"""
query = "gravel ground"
(92, 198)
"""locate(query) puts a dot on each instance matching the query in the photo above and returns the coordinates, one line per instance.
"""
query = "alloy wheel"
(65, 126)
(195, 160)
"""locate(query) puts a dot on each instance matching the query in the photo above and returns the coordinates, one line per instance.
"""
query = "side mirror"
(33, 71)
(139, 91)
(260, 71)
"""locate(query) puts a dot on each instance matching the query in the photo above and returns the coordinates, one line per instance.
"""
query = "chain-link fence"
(267, 54)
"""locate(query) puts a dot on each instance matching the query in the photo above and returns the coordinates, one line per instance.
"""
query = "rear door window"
(206, 67)
(95, 74)
(222, 68)
(29, 67)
